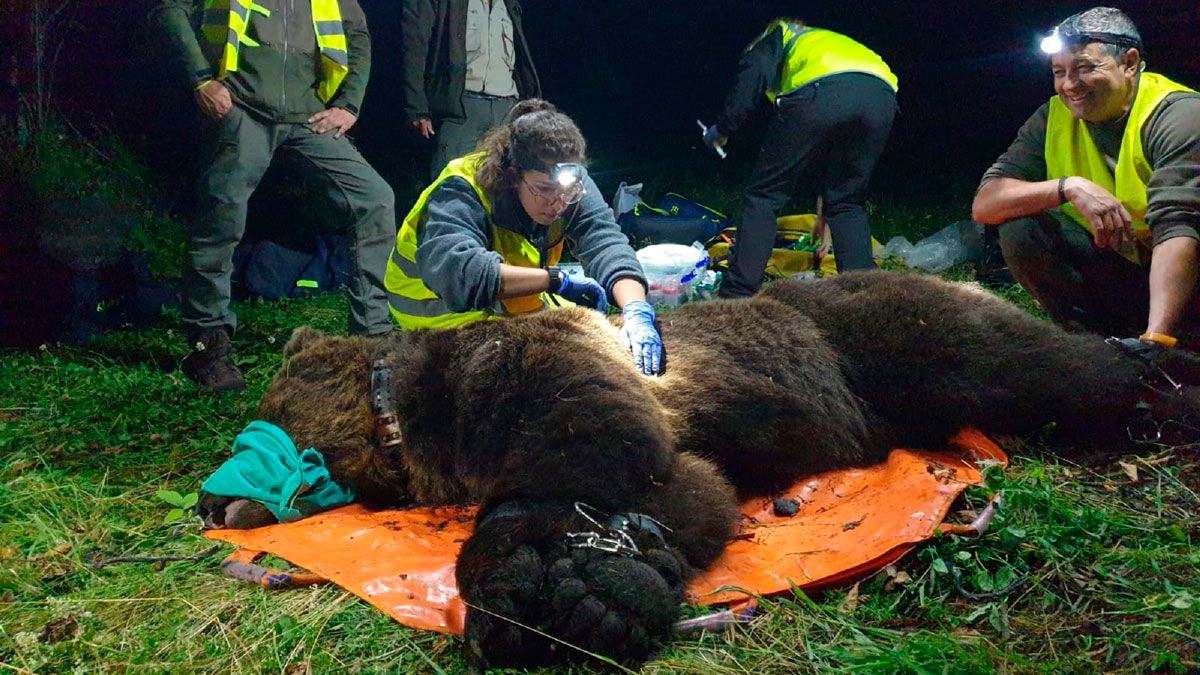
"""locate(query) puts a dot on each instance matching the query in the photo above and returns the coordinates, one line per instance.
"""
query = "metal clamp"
(615, 536)
(622, 543)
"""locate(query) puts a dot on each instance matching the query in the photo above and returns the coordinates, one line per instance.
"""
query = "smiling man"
(1098, 198)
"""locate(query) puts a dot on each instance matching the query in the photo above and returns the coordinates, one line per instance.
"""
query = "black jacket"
(435, 58)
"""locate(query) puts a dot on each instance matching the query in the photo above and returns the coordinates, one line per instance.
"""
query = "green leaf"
(983, 581)
(190, 500)
(962, 556)
(1004, 577)
(171, 497)
(285, 624)
(939, 566)
(998, 619)
(978, 612)
(172, 516)
(1183, 601)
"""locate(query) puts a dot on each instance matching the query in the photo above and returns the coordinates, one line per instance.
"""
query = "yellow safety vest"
(224, 29)
(1070, 151)
(415, 306)
(813, 53)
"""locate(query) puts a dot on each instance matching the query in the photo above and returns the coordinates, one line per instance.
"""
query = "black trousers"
(833, 130)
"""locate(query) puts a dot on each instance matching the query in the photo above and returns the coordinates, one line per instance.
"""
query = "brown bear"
(603, 491)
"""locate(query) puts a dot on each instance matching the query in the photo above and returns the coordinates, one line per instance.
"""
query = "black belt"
(486, 97)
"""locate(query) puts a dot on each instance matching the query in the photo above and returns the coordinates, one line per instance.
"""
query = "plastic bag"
(625, 198)
(898, 247)
(952, 245)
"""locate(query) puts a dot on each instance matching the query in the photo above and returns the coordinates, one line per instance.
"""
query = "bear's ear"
(301, 338)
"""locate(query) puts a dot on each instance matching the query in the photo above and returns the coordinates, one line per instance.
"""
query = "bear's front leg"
(231, 512)
(545, 579)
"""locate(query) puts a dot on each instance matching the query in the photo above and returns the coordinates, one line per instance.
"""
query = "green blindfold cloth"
(267, 468)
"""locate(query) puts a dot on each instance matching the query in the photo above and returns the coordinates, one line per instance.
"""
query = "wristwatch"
(556, 279)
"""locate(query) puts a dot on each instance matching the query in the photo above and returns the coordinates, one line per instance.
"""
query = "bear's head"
(321, 396)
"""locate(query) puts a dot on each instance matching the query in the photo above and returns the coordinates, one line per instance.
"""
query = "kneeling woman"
(482, 240)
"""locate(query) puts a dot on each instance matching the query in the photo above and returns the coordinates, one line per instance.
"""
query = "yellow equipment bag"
(794, 250)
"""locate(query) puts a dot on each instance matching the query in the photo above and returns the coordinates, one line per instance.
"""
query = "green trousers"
(239, 148)
(1082, 287)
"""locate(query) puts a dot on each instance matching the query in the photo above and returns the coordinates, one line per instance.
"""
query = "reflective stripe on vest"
(414, 305)
(331, 39)
(1070, 151)
(224, 30)
(813, 53)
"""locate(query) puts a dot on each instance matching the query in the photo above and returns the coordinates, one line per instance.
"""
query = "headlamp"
(568, 174)
(566, 180)
(1052, 43)
(1060, 38)
(568, 183)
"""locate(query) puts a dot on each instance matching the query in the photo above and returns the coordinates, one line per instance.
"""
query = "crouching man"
(1098, 198)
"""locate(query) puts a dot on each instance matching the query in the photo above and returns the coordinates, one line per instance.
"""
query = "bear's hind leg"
(522, 568)
(604, 583)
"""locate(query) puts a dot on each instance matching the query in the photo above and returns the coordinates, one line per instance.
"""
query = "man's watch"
(556, 279)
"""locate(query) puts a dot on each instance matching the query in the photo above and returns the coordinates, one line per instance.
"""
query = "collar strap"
(387, 421)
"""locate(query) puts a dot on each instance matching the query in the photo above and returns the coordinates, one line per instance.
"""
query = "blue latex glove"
(641, 337)
(584, 291)
(713, 137)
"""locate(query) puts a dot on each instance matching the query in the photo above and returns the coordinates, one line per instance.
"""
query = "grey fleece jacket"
(454, 249)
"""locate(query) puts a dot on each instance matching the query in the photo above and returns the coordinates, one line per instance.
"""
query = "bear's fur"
(544, 419)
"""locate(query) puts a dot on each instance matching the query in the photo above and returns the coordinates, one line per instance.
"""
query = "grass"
(1086, 569)
(1089, 567)
(90, 192)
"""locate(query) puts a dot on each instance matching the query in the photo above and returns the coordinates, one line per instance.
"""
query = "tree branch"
(100, 563)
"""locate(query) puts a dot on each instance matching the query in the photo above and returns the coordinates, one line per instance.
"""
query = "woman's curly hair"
(534, 135)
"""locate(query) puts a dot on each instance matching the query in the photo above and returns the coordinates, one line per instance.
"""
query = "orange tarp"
(850, 523)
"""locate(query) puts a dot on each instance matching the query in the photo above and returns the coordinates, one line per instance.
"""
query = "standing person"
(1098, 199)
(275, 75)
(482, 240)
(466, 63)
(834, 104)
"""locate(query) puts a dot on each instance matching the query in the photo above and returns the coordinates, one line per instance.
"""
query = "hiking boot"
(210, 364)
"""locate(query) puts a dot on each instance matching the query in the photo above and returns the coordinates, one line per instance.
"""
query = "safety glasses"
(566, 184)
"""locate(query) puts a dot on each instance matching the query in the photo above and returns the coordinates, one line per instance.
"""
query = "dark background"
(637, 74)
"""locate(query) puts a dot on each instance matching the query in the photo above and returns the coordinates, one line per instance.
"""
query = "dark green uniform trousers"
(1082, 287)
(239, 149)
(458, 137)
